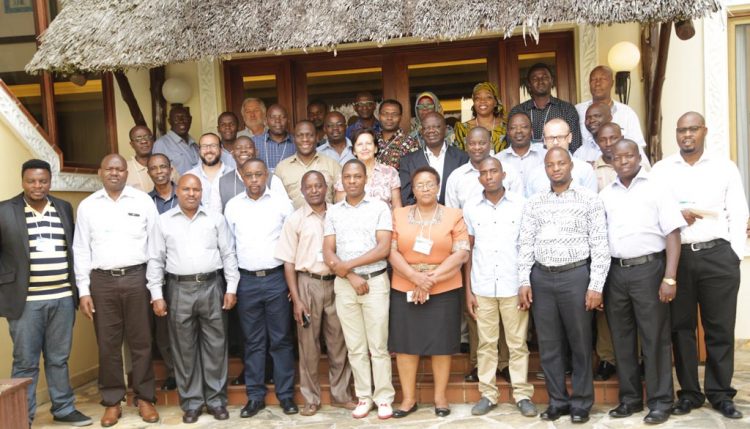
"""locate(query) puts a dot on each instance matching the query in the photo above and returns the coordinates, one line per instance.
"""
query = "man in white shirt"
(601, 81)
(709, 191)
(255, 217)
(522, 155)
(639, 268)
(110, 251)
(210, 170)
(335, 143)
(493, 220)
(557, 134)
(190, 246)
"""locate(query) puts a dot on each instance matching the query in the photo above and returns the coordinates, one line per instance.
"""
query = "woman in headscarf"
(428, 102)
(488, 113)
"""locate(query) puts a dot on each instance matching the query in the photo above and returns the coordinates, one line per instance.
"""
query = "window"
(78, 118)
(739, 101)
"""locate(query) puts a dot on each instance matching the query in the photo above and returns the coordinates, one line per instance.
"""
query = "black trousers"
(559, 310)
(631, 300)
(709, 279)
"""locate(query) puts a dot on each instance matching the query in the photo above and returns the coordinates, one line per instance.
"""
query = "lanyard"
(421, 223)
(547, 108)
(265, 146)
(40, 218)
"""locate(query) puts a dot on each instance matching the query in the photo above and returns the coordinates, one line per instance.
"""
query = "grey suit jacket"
(14, 253)
(454, 158)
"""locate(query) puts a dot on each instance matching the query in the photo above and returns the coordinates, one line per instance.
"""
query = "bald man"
(190, 246)
(110, 254)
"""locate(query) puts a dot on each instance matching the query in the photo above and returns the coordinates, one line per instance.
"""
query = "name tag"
(45, 245)
(422, 245)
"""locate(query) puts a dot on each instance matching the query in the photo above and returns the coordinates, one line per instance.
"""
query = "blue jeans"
(45, 327)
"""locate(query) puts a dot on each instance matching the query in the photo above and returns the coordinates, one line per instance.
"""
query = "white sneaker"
(363, 409)
(385, 411)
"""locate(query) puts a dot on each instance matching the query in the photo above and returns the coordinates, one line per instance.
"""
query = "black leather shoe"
(579, 415)
(169, 384)
(656, 417)
(553, 413)
(683, 406)
(472, 377)
(604, 371)
(442, 412)
(288, 406)
(624, 410)
(398, 414)
(504, 373)
(219, 413)
(251, 408)
(239, 381)
(191, 416)
(727, 409)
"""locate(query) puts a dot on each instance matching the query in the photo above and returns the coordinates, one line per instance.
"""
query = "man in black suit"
(38, 292)
(436, 153)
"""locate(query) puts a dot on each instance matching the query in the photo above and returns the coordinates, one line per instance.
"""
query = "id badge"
(422, 245)
(319, 257)
(45, 245)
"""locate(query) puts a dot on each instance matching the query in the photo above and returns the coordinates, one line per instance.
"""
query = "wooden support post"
(654, 78)
(157, 76)
(127, 95)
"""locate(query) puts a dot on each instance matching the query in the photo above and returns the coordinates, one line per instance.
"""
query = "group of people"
(375, 240)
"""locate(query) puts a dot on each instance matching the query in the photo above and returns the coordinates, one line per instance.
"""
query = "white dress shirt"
(463, 184)
(183, 246)
(639, 217)
(494, 257)
(341, 158)
(583, 176)
(210, 195)
(437, 162)
(590, 151)
(525, 164)
(111, 234)
(622, 114)
(256, 225)
(712, 184)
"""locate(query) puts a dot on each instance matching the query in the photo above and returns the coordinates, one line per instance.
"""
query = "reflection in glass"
(261, 86)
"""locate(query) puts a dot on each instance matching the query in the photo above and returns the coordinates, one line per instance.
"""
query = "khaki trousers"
(502, 346)
(318, 298)
(604, 348)
(364, 320)
(515, 323)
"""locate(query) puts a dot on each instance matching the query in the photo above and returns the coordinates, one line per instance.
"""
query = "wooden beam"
(660, 70)
(127, 95)
(157, 76)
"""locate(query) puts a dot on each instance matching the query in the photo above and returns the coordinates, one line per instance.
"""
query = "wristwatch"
(669, 281)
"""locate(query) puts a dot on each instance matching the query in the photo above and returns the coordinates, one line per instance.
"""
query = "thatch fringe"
(108, 35)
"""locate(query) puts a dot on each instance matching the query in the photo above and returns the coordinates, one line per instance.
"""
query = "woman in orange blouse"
(430, 244)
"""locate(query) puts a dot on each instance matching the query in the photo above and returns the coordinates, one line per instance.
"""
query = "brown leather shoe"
(147, 411)
(309, 409)
(111, 416)
(349, 405)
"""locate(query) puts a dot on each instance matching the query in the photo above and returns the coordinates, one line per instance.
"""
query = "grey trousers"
(631, 300)
(559, 310)
(197, 334)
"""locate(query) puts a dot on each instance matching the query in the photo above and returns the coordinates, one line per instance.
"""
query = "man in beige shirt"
(142, 142)
(310, 284)
(306, 158)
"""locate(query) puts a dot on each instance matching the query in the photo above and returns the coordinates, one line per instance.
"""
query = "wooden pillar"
(127, 95)
(157, 76)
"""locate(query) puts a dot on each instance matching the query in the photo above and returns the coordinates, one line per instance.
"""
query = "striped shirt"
(48, 271)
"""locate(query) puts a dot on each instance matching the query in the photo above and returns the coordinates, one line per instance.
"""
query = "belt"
(704, 245)
(197, 278)
(318, 276)
(261, 273)
(119, 272)
(372, 274)
(634, 262)
(424, 267)
(561, 268)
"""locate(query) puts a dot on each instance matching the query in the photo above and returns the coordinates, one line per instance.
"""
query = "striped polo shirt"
(48, 276)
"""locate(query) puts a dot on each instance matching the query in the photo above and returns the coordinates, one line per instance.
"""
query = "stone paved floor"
(504, 416)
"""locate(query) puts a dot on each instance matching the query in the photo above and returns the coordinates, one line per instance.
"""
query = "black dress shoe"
(604, 371)
(251, 408)
(169, 384)
(504, 373)
(398, 414)
(239, 381)
(656, 417)
(288, 406)
(442, 412)
(579, 415)
(683, 406)
(553, 413)
(624, 410)
(219, 413)
(727, 409)
(472, 377)
(191, 416)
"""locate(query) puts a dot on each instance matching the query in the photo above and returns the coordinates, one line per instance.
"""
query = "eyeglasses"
(427, 106)
(425, 186)
(693, 129)
(364, 103)
(550, 139)
(143, 139)
(209, 146)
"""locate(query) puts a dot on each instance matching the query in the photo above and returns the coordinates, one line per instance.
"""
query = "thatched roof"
(106, 35)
